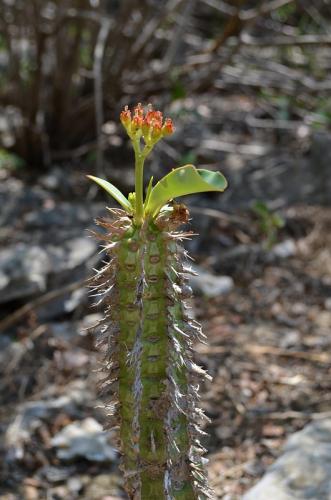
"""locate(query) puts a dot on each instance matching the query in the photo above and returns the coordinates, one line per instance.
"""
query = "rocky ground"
(265, 308)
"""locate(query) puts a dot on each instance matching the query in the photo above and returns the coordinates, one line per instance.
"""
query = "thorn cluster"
(149, 125)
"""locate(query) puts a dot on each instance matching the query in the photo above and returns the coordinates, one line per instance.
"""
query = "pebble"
(210, 285)
(84, 438)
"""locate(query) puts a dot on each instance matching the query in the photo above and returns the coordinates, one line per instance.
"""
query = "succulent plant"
(151, 380)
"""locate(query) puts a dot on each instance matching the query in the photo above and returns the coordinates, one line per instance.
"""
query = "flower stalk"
(139, 182)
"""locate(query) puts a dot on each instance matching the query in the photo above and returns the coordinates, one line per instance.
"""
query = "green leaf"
(10, 161)
(149, 189)
(114, 192)
(182, 181)
(261, 209)
(278, 221)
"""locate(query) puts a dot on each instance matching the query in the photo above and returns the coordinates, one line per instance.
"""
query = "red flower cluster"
(149, 125)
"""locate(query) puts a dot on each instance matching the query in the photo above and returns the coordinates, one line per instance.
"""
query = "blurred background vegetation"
(68, 66)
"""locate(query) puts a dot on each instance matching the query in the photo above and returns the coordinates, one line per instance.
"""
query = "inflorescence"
(149, 125)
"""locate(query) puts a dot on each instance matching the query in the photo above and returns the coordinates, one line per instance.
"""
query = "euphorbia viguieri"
(151, 379)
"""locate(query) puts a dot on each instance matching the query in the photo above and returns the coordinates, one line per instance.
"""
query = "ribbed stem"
(154, 401)
(129, 283)
(152, 376)
(179, 415)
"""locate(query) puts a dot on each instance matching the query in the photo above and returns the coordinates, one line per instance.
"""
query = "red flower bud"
(150, 125)
(139, 110)
(146, 128)
(153, 117)
(168, 127)
(156, 131)
(137, 122)
(125, 116)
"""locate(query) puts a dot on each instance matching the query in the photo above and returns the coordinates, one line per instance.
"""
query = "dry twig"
(255, 349)
(20, 313)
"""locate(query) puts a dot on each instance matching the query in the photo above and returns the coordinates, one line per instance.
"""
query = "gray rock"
(284, 249)
(32, 413)
(209, 284)
(58, 180)
(69, 331)
(55, 474)
(303, 471)
(26, 270)
(16, 199)
(86, 439)
(71, 254)
(320, 157)
(23, 271)
(70, 216)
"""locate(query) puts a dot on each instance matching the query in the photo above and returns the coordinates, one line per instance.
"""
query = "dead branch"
(286, 415)
(264, 9)
(222, 7)
(98, 90)
(250, 14)
(285, 41)
(255, 349)
(178, 33)
(217, 214)
(20, 313)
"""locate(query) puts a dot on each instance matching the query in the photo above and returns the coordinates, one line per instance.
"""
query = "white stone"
(209, 284)
(84, 438)
(303, 471)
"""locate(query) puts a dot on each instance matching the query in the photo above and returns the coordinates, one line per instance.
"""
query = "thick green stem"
(154, 359)
(129, 275)
(150, 359)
